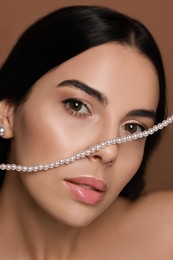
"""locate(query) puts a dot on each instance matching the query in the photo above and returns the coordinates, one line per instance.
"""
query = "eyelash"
(81, 103)
(136, 125)
(72, 111)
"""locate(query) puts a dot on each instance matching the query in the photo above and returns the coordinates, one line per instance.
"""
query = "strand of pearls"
(88, 151)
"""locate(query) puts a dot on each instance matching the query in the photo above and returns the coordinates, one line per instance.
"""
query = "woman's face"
(105, 92)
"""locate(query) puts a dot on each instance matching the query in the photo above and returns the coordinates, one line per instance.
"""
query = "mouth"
(86, 189)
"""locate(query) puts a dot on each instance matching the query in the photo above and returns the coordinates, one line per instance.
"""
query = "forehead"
(118, 71)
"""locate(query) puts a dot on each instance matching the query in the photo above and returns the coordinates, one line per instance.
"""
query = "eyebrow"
(87, 89)
(103, 99)
(143, 113)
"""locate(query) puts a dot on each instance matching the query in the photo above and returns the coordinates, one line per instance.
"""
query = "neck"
(28, 228)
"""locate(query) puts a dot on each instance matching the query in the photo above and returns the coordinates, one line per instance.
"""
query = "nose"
(107, 155)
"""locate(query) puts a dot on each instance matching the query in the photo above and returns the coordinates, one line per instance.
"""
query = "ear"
(7, 109)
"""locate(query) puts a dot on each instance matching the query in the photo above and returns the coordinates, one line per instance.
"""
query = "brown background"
(157, 15)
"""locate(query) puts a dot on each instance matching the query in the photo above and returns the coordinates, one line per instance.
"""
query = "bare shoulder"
(148, 224)
(142, 229)
(157, 204)
(155, 212)
(151, 214)
(154, 207)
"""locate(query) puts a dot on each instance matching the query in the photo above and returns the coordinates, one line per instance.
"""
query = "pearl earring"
(2, 131)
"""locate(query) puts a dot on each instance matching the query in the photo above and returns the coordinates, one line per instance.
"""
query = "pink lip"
(84, 194)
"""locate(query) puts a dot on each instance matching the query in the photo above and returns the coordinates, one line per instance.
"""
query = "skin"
(39, 217)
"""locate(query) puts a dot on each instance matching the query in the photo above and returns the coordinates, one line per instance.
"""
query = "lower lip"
(83, 194)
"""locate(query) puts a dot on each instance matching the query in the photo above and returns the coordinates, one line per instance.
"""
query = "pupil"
(76, 105)
(132, 128)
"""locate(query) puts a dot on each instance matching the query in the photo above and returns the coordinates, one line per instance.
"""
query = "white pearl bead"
(103, 144)
(72, 158)
(108, 142)
(46, 167)
(40, 167)
(134, 136)
(30, 168)
(35, 168)
(8, 167)
(124, 139)
(119, 140)
(87, 152)
(56, 164)
(18, 168)
(67, 161)
(13, 167)
(24, 168)
(3, 166)
(165, 123)
(151, 131)
(141, 135)
(160, 126)
(145, 133)
(93, 149)
(82, 154)
(129, 138)
(77, 156)
(2, 131)
(51, 165)
(113, 141)
(155, 128)
(170, 120)
(98, 147)
(61, 162)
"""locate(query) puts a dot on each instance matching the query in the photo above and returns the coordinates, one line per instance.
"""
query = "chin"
(79, 222)
(76, 217)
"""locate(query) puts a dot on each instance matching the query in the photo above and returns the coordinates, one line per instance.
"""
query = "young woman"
(81, 76)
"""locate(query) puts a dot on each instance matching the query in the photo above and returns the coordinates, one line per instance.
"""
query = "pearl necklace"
(88, 151)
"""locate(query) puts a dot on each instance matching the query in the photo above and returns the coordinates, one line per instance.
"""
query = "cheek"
(39, 137)
(45, 135)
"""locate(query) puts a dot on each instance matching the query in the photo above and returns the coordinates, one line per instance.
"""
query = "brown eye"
(133, 128)
(76, 107)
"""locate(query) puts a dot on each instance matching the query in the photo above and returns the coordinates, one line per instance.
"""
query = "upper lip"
(89, 181)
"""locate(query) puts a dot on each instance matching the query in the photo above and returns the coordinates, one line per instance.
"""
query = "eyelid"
(84, 101)
(77, 113)
(132, 121)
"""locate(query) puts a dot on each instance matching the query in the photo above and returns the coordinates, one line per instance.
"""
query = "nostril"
(104, 160)
(107, 155)
(97, 157)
